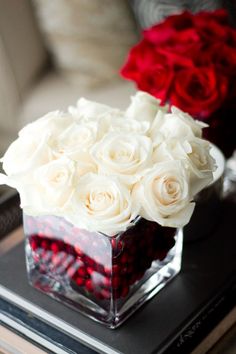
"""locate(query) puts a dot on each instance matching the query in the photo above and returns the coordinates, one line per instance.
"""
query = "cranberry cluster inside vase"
(99, 275)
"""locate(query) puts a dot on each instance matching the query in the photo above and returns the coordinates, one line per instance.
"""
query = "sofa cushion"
(89, 40)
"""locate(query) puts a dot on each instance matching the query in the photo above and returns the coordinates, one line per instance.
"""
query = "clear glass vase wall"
(105, 278)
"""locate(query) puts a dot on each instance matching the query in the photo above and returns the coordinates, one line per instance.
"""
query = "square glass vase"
(106, 278)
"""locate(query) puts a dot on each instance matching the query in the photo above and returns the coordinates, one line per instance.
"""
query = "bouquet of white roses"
(100, 168)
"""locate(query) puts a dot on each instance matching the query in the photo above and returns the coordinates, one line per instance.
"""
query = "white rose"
(86, 109)
(201, 164)
(123, 155)
(155, 132)
(75, 140)
(186, 120)
(177, 125)
(53, 123)
(25, 154)
(163, 194)
(102, 204)
(195, 154)
(50, 188)
(143, 107)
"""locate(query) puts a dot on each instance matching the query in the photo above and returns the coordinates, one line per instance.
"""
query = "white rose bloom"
(195, 125)
(25, 154)
(89, 109)
(143, 107)
(102, 203)
(177, 125)
(52, 123)
(75, 140)
(195, 154)
(155, 128)
(201, 164)
(163, 194)
(50, 188)
(123, 155)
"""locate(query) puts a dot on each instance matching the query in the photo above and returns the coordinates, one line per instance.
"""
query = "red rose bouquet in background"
(190, 61)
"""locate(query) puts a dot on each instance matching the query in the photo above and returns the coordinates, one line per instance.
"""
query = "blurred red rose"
(199, 91)
(222, 57)
(150, 69)
(157, 81)
(190, 61)
(164, 31)
(212, 26)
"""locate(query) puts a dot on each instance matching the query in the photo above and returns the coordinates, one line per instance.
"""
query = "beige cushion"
(88, 39)
(53, 93)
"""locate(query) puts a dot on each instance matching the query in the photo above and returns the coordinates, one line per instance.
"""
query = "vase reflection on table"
(107, 278)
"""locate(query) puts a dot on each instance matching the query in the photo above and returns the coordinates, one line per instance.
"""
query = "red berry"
(116, 281)
(125, 291)
(90, 270)
(82, 272)
(34, 244)
(45, 244)
(131, 268)
(115, 269)
(55, 247)
(89, 285)
(124, 259)
(90, 262)
(79, 281)
(99, 295)
(99, 268)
